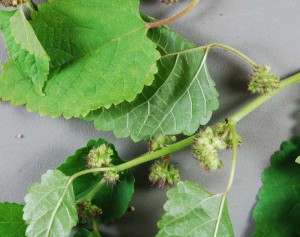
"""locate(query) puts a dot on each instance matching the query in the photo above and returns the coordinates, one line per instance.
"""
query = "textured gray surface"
(267, 31)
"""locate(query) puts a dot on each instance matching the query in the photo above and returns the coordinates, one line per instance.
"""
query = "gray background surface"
(266, 30)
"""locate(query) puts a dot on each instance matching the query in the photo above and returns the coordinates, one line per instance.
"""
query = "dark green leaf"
(181, 98)
(83, 233)
(191, 211)
(277, 214)
(11, 220)
(96, 59)
(113, 200)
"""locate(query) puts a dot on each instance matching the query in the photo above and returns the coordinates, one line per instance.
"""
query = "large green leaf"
(11, 220)
(50, 208)
(113, 200)
(96, 59)
(277, 213)
(191, 211)
(181, 98)
(24, 47)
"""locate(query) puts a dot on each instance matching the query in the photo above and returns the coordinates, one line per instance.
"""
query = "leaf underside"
(191, 211)
(11, 220)
(50, 209)
(277, 213)
(96, 59)
(113, 200)
(24, 47)
(181, 98)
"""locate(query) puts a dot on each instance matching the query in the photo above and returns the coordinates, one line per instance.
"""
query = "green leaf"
(113, 200)
(24, 47)
(297, 160)
(11, 220)
(192, 211)
(50, 208)
(277, 213)
(181, 98)
(100, 55)
(83, 233)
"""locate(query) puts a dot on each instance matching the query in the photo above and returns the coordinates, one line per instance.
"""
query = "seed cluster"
(100, 157)
(263, 81)
(163, 174)
(12, 3)
(209, 142)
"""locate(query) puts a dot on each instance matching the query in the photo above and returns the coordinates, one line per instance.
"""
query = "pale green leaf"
(191, 211)
(24, 47)
(181, 98)
(11, 221)
(50, 209)
(96, 59)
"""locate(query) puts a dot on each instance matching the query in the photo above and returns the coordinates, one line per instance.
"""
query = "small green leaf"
(11, 220)
(24, 47)
(181, 98)
(113, 200)
(50, 208)
(191, 211)
(100, 55)
(297, 160)
(277, 213)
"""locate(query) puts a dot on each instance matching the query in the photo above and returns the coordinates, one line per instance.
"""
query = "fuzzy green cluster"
(163, 174)
(111, 177)
(161, 141)
(87, 211)
(263, 81)
(100, 157)
(209, 142)
(12, 3)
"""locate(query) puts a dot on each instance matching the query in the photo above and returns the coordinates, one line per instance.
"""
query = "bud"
(161, 141)
(263, 81)
(162, 174)
(111, 177)
(99, 157)
(87, 211)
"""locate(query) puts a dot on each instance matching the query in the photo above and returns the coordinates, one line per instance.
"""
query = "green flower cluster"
(209, 142)
(161, 141)
(100, 157)
(163, 174)
(87, 211)
(263, 81)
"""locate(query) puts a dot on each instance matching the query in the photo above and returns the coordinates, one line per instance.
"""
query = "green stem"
(150, 25)
(234, 51)
(29, 5)
(263, 98)
(93, 192)
(216, 45)
(231, 175)
(188, 141)
(95, 228)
